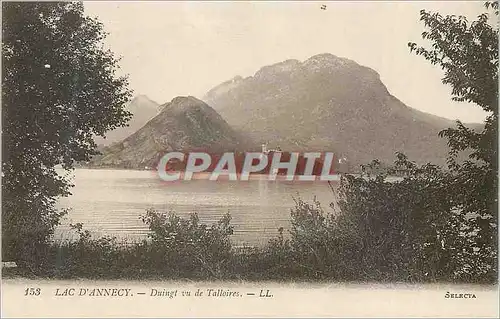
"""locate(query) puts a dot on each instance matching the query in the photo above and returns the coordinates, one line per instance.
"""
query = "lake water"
(110, 202)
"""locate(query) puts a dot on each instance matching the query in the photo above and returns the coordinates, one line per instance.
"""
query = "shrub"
(185, 246)
(410, 229)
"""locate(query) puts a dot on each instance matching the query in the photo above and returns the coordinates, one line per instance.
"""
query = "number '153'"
(32, 291)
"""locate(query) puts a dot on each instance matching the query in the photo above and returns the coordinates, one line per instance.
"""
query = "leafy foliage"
(177, 248)
(432, 224)
(468, 53)
(408, 229)
(412, 240)
(59, 90)
(186, 245)
(429, 225)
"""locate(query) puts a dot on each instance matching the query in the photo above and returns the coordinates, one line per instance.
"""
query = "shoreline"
(281, 283)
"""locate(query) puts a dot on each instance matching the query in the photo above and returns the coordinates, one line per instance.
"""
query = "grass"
(315, 250)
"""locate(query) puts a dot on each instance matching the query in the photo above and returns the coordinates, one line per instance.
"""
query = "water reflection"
(112, 201)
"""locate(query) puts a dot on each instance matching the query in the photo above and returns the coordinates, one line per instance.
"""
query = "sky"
(171, 48)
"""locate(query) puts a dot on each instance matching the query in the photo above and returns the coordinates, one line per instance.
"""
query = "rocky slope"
(328, 103)
(184, 124)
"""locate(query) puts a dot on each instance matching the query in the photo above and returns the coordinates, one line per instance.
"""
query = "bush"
(185, 246)
(411, 230)
(408, 230)
(176, 248)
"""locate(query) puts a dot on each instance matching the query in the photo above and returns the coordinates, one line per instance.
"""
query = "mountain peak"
(327, 60)
(184, 124)
(183, 104)
(186, 100)
(325, 103)
(280, 67)
(141, 98)
(324, 56)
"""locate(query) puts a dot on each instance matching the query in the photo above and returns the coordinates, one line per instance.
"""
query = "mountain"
(143, 109)
(184, 124)
(328, 103)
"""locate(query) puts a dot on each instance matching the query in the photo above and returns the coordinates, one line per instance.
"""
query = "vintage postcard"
(249, 159)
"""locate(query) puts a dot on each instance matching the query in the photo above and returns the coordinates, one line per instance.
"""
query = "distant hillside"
(143, 109)
(184, 124)
(328, 103)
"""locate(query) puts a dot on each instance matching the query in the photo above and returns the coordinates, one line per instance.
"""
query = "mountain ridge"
(183, 124)
(328, 102)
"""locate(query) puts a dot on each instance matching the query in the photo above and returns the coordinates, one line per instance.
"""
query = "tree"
(59, 90)
(468, 54)
(434, 223)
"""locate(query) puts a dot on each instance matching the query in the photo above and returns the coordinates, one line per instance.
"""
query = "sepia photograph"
(249, 159)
